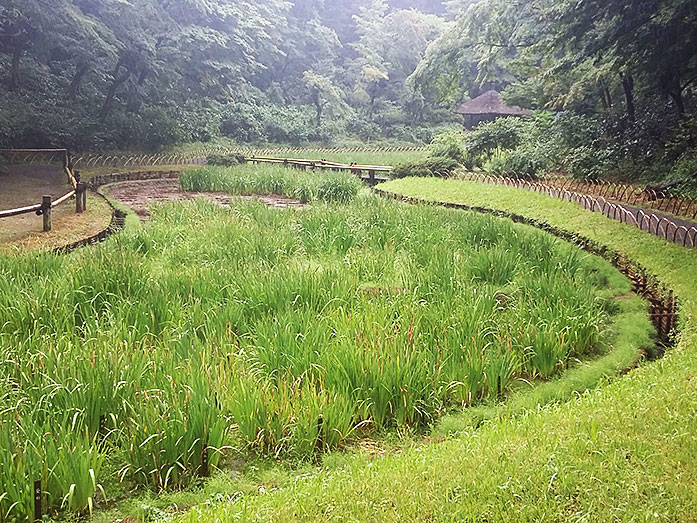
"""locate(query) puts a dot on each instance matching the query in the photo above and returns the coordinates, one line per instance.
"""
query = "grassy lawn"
(624, 451)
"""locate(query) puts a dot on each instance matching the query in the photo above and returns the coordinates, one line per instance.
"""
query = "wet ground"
(140, 195)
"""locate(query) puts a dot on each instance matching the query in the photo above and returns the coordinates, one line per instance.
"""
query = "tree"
(324, 95)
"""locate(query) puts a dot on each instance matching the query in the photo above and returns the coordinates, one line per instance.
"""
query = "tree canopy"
(107, 74)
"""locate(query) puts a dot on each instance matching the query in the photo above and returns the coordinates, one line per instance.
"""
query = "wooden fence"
(367, 173)
(50, 156)
(670, 228)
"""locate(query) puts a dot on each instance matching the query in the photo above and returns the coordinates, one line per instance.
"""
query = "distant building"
(486, 108)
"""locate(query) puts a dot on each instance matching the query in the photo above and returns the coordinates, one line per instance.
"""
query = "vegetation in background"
(623, 109)
(119, 75)
(366, 317)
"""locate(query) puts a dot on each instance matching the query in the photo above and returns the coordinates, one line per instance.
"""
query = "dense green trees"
(628, 67)
(147, 73)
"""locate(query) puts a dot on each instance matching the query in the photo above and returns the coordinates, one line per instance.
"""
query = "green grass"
(623, 451)
(305, 186)
(275, 333)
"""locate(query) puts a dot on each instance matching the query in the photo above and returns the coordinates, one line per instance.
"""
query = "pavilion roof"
(490, 103)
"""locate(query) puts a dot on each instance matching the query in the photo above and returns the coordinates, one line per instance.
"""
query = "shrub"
(686, 167)
(587, 163)
(522, 163)
(450, 144)
(228, 160)
(502, 133)
(440, 167)
(242, 122)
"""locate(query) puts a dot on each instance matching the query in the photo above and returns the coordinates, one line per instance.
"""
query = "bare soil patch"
(140, 195)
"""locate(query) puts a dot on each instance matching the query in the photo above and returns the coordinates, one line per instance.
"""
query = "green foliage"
(501, 134)
(116, 75)
(251, 122)
(519, 163)
(252, 179)
(586, 163)
(333, 320)
(441, 167)
(450, 144)
(229, 160)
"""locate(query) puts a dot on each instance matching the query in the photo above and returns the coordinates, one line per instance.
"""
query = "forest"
(612, 82)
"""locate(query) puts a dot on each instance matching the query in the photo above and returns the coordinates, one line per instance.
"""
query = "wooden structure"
(44, 208)
(486, 108)
(371, 174)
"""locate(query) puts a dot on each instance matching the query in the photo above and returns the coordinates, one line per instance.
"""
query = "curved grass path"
(624, 451)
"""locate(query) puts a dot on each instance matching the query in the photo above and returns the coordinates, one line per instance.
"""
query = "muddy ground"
(140, 195)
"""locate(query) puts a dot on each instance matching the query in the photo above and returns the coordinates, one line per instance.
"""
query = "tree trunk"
(319, 114)
(133, 103)
(676, 95)
(628, 86)
(15, 74)
(80, 73)
(111, 94)
(603, 100)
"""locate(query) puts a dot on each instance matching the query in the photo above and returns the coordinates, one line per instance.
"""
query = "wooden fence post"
(38, 512)
(46, 211)
(83, 195)
(78, 198)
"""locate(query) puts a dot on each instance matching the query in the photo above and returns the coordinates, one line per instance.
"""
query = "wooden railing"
(50, 156)
(622, 209)
(368, 173)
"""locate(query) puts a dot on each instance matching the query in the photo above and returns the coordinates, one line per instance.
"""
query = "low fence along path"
(672, 228)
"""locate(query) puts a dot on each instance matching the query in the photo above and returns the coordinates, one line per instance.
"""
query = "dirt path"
(22, 185)
(660, 228)
(140, 195)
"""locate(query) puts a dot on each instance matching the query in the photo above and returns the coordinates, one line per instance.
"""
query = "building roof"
(490, 103)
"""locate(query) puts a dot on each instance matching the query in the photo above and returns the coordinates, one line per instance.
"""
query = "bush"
(502, 133)
(229, 160)
(440, 167)
(587, 163)
(521, 163)
(450, 144)
(242, 122)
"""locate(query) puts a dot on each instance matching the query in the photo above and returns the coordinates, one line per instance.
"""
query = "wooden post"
(371, 177)
(38, 512)
(83, 195)
(204, 471)
(78, 198)
(46, 211)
